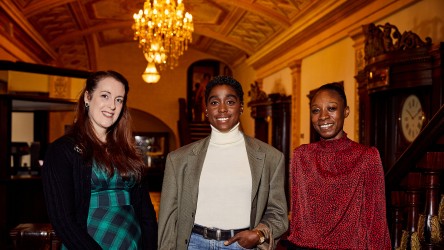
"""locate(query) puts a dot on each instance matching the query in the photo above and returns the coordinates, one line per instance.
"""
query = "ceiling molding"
(312, 43)
(91, 46)
(36, 7)
(18, 52)
(287, 39)
(12, 11)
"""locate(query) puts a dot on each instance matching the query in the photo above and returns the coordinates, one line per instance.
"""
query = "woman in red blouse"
(337, 185)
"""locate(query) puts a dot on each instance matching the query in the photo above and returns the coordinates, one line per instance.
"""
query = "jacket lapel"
(256, 159)
(195, 161)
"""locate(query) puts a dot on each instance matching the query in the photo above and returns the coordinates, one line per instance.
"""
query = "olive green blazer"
(180, 190)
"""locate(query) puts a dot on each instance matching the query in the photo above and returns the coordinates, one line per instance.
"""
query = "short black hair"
(225, 80)
(334, 86)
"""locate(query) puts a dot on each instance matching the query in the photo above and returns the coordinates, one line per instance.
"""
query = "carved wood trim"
(382, 39)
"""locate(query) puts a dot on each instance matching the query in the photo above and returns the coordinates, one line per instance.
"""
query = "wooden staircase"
(198, 130)
(190, 131)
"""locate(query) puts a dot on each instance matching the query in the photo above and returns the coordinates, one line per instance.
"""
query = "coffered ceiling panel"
(289, 8)
(210, 13)
(226, 52)
(55, 22)
(74, 54)
(254, 30)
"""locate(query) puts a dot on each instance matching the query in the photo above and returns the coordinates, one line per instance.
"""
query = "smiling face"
(327, 112)
(105, 105)
(223, 108)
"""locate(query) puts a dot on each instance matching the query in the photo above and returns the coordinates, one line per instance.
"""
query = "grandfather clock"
(399, 90)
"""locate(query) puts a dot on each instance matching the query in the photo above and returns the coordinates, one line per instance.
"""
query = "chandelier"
(163, 30)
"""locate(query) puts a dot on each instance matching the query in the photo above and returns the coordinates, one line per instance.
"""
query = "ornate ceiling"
(68, 33)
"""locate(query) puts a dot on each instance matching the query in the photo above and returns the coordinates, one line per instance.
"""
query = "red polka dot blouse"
(338, 197)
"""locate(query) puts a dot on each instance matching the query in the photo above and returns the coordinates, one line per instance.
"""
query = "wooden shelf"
(31, 103)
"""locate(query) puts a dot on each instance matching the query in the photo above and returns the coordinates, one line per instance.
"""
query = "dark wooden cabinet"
(272, 117)
(154, 147)
(22, 194)
(272, 124)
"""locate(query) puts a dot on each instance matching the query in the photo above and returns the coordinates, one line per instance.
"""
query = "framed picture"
(199, 74)
(154, 147)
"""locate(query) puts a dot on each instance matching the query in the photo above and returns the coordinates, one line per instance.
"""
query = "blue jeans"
(198, 242)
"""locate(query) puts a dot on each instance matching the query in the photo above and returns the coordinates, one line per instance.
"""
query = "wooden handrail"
(431, 133)
(183, 123)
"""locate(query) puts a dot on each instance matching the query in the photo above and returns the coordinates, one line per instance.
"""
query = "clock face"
(412, 117)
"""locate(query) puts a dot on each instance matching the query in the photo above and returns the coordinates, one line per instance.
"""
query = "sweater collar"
(218, 137)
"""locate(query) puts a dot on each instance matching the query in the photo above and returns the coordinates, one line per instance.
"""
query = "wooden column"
(429, 229)
(412, 186)
(5, 164)
(359, 41)
(429, 225)
(295, 67)
(397, 218)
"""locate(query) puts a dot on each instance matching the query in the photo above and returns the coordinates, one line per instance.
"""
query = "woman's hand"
(246, 239)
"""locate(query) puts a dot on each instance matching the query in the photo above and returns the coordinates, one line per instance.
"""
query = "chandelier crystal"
(163, 30)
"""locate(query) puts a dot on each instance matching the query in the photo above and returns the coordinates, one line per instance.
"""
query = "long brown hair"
(119, 151)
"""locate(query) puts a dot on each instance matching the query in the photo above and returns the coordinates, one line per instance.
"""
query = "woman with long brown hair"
(92, 176)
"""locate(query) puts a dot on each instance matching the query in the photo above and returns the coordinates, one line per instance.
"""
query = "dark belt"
(215, 233)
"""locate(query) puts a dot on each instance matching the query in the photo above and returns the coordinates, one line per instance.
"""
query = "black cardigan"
(67, 189)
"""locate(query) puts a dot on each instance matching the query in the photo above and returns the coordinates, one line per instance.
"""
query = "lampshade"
(151, 75)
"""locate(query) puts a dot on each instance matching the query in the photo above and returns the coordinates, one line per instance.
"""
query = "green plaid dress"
(111, 219)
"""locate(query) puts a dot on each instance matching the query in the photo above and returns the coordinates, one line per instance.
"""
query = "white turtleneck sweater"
(225, 184)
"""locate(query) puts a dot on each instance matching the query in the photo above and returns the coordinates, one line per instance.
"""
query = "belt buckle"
(205, 233)
(218, 234)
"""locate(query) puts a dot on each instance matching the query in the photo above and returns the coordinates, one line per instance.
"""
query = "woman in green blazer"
(224, 191)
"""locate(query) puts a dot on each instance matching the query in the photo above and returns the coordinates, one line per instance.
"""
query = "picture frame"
(199, 75)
